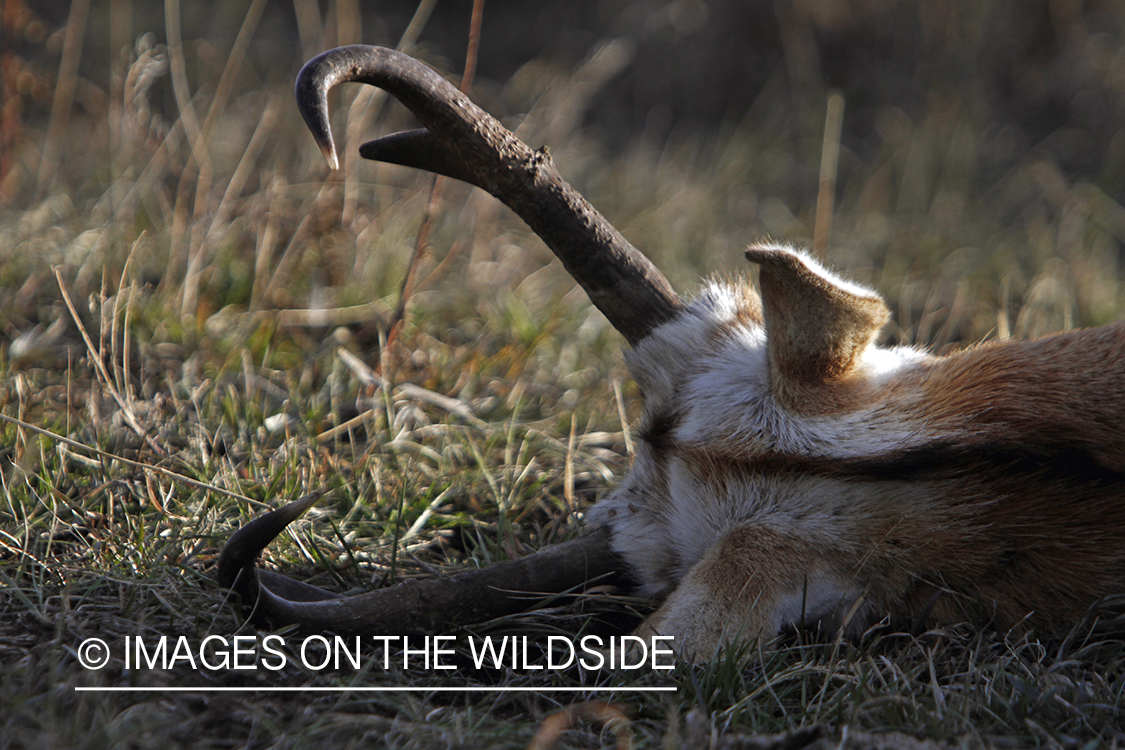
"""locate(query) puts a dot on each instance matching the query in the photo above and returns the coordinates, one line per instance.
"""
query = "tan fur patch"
(788, 469)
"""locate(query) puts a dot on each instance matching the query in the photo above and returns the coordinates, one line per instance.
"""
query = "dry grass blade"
(408, 390)
(99, 366)
(610, 715)
(422, 241)
(64, 93)
(829, 158)
(130, 462)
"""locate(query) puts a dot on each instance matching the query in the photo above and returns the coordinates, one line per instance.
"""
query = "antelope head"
(789, 471)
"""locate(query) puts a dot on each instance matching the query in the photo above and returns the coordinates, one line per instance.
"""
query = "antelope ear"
(817, 326)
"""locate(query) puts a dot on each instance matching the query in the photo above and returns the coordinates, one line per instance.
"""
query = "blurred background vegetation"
(982, 165)
(159, 193)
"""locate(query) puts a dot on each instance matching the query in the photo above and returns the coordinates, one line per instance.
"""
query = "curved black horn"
(414, 606)
(463, 141)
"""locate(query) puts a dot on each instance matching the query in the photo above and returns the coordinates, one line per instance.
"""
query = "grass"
(185, 223)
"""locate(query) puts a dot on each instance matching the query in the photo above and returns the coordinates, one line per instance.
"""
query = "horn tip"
(329, 151)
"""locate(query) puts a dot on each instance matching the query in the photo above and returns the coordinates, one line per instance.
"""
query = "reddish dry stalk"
(422, 242)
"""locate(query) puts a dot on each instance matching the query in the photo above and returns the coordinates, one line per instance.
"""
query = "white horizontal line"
(375, 689)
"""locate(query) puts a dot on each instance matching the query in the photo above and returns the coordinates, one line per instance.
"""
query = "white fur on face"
(797, 478)
(710, 369)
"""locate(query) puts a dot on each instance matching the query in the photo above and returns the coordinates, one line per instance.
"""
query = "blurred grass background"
(981, 170)
(159, 192)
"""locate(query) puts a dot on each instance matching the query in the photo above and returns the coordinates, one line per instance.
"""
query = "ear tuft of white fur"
(818, 326)
(765, 252)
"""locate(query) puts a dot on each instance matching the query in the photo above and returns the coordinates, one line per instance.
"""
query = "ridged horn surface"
(462, 141)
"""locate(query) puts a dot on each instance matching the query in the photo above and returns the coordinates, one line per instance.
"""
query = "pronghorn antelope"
(788, 470)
